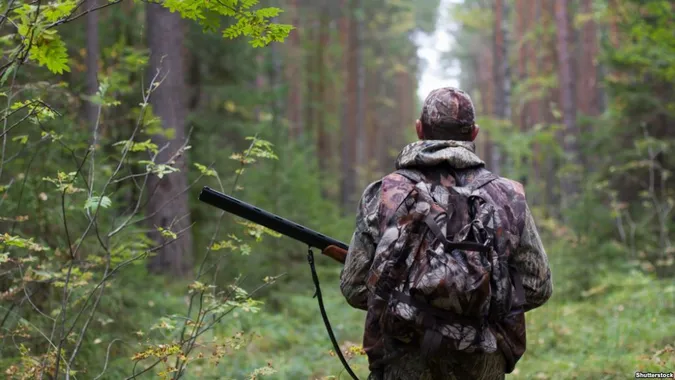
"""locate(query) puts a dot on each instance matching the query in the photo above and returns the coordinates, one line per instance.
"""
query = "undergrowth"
(623, 323)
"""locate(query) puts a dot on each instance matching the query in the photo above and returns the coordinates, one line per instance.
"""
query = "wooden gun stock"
(336, 253)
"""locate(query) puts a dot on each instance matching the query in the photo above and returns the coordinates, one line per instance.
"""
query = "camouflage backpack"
(437, 281)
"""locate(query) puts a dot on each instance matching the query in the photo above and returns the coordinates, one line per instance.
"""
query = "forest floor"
(623, 325)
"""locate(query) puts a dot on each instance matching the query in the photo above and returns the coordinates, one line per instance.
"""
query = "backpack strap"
(468, 246)
(517, 281)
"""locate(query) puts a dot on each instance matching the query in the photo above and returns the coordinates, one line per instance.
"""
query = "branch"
(107, 357)
(70, 17)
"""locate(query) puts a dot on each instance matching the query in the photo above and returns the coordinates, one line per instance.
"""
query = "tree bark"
(538, 106)
(351, 110)
(569, 183)
(166, 206)
(361, 95)
(521, 13)
(501, 70)
(614, 23)
(309, 43)
(93, 54)
(588, 94)
(324, 150)
(293, 73)
(551, 164)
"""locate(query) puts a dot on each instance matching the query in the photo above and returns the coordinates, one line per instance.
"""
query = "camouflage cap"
(447, 114)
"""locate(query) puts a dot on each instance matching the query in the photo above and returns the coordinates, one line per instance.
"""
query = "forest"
(116, 113)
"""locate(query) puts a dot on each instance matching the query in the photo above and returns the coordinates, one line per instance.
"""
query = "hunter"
(445, 154)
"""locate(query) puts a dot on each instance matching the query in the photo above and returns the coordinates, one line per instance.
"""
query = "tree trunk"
(501, 70)
(310, 40)
(349, 124)
(521, 14)
(361, 96)
(588, 93)
(293, 75)
(93, 54)
(324, 150)
(166, 208)
(529, 107)
(614, 23)
(551, 163)
(569, 184)
(276, 105)
(487, 86)
(538, 105)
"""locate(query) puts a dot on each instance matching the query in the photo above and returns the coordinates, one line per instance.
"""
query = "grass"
(626, 325)
(604, 327)
(623, 323)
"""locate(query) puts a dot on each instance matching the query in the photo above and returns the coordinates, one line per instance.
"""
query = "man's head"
(447, 114)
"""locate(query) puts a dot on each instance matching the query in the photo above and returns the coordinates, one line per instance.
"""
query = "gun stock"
(330, 247)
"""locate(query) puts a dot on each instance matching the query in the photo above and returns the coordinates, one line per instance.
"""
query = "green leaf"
(245, 249)
(93, 202)
(140, 146)
(167, 233)
(23, 139)
(163, 169)
(57, 10)
(51, 52)
(269, 12)
(19, 242)
(164, 324)
(205, 170)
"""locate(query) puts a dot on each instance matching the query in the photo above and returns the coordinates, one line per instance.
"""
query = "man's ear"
(418, 128)
(475, 131)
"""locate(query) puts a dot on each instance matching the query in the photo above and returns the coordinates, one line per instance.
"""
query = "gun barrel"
(267, 219)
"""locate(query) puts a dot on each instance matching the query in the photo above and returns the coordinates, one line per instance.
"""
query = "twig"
(9, 9)
(76, 349)
(117, 169)
(73, 18)
(27, 297)
(107, 358)
(71, 264)
(5, 120)
(118, 268)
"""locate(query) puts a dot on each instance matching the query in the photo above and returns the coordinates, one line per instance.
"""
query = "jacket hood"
(426, 153)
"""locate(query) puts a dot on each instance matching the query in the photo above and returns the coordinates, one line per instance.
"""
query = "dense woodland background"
(116, 113)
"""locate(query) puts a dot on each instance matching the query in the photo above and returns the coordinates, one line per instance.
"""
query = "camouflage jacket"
(521, 238)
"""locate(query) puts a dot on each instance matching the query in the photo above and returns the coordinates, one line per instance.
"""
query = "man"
(446, 130)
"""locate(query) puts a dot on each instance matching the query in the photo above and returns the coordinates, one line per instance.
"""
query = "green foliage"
(41, 42)
(73, 209)
(254, 24)
(74, 225)
(624, 324)
(94, 202)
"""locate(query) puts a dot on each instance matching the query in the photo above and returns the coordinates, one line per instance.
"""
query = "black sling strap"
(336, 346)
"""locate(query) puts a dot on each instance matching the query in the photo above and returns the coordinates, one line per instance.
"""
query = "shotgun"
(330, 247)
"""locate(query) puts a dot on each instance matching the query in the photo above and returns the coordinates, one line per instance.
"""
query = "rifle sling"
(336, 346)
